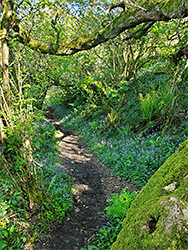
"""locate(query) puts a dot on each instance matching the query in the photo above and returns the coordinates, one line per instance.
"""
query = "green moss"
(33, 192)
(7, 14)
(170, 6)
(39, 46)
(158, 216)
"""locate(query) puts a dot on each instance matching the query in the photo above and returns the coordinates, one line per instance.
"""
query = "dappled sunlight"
(71, 149)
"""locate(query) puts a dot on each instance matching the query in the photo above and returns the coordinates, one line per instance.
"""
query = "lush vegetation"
(155, 205)
(19, 225)
(126, 97)
(116, 212)
(134, 155)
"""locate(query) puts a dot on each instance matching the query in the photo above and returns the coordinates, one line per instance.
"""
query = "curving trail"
(94, 182)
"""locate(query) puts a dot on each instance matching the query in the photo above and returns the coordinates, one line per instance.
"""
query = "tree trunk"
(4, 49)
(158, 217)
(32, 189)
(4, 60)
(33, 192)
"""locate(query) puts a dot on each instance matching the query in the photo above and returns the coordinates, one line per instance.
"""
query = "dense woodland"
(116, 73)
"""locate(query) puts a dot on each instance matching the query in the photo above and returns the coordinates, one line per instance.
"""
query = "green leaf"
(24, 239)
(3, 244)
(5, 233)
(11, 230)
(37, 144)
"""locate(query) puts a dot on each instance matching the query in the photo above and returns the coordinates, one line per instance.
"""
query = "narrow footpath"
(94, 183)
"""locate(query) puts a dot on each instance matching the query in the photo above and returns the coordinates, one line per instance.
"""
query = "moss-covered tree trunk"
(33, 192)
(158, 217)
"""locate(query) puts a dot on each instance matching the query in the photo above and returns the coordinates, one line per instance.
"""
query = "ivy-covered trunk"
(158, 217)
(32, 188)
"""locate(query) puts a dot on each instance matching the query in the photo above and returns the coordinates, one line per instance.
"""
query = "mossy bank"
(158, 217)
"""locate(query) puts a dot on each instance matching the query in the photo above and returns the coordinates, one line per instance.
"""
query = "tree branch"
(183, 51)
(123, 6)
(164, 11)
(54, 26)
(117, 5)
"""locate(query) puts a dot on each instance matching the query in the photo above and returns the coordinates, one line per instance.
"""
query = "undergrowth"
(19, 225)
(132, 136)
(116, 212)
(135, 157)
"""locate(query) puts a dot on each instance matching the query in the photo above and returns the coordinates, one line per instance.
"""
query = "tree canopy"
(125, 92)
(137, 14)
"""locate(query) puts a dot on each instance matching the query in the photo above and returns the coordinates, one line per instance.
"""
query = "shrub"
(119, 204)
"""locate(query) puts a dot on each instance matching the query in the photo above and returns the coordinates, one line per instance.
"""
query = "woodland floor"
(94, 182)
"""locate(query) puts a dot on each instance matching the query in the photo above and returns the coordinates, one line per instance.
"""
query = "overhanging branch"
(125, 21)
(117, 5)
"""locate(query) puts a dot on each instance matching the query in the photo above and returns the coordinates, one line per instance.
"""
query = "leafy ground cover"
(132, 156)
(19, 225)
(94, 182)
(116, 212)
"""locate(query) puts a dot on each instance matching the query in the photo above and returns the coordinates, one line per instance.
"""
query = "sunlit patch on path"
(93, 183)
(70, 148)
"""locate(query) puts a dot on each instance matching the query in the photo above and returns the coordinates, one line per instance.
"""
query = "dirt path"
(94, 183)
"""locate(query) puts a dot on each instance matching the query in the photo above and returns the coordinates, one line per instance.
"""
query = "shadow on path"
(94, 182)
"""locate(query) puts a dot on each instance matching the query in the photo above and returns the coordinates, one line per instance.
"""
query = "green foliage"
(134, 157)
(157, 204)
(14, 228)
(105, 236)
(116, 211)
(116, 96)
(18, 224)
(149, 104)
(112, 118)
(157, 104)
(16, 158)
(100, 86)
(119, 204)
(56, 184)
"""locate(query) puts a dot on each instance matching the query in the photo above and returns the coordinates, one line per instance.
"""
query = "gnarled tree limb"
(117, 5)
(163, 11)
